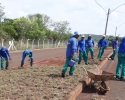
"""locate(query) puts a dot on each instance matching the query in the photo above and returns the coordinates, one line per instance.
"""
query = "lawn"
(39, 83)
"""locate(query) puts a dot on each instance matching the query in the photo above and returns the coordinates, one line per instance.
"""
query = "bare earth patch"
(39, 83)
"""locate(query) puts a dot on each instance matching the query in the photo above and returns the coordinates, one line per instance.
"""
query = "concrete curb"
(78, 89)
(104, 61)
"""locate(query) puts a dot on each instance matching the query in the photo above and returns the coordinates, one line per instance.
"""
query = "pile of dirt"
(38, 83)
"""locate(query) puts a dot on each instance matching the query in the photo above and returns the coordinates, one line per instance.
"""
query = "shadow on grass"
(54, 75)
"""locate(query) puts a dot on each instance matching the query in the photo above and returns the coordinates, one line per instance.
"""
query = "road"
(47, 57)
(38, 55)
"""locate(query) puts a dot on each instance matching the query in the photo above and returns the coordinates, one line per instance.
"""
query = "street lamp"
(116, 27)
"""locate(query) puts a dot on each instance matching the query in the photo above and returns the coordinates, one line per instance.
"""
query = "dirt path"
(47, 57)
(39, 55)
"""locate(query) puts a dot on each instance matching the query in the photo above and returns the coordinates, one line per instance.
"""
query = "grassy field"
(39, 83)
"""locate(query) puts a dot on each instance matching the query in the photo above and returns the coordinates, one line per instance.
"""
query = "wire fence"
(32, 44)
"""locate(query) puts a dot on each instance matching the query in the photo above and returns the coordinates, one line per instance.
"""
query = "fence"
(32, 44)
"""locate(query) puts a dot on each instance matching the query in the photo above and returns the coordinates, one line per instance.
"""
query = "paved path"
(117, 88)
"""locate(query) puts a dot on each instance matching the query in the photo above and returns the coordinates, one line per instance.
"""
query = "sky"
(84, 16)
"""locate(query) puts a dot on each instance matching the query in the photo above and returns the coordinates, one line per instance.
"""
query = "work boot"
(6, 68)
(117, 77)
(22, 64)
(122, 79)
(109, 58)
(63, 75)
(31, 62)
(78, 63)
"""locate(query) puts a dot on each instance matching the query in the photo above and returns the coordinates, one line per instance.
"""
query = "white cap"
(103, 35)
(82, 35)
(89, 35)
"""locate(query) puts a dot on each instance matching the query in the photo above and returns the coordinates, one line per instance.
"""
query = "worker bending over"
(27, 53)
(4, 55)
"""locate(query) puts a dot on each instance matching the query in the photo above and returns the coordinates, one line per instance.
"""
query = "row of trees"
(33, 27)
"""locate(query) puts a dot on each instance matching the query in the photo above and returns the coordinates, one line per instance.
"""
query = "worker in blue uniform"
(4, 55)
(102, 44)
(120, 69)
(115, 48)
(25, 53)
(71, 51)
(89, 46)
(82, 50)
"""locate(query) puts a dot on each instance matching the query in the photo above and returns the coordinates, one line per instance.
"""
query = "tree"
(1, 17)
(62, 28)
(9, 29)
(47, 21)
(21, 26)
(1, 12)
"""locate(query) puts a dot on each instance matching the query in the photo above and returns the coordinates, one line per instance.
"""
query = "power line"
(118, 7)
(120, 12)
(100, 6)
(108, 13)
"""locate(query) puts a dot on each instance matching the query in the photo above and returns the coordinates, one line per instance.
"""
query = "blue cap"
(3, 48)
(76, 33)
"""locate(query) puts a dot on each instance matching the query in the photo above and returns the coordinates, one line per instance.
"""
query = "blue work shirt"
(81, 44)
(107, 43)
(27, 53)
(115, 44)
(122, 46)
(89, 43)
(72, 46)
(103, 43)
(4, 52)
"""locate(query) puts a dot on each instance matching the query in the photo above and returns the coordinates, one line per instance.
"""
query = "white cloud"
(27, 6)
(83, 15)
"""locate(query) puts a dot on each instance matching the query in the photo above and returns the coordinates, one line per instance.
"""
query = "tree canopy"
(33, 26)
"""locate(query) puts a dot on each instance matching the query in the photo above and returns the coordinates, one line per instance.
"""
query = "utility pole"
(116, 27)
(108, 14)
(115, 31)
(107, 21)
